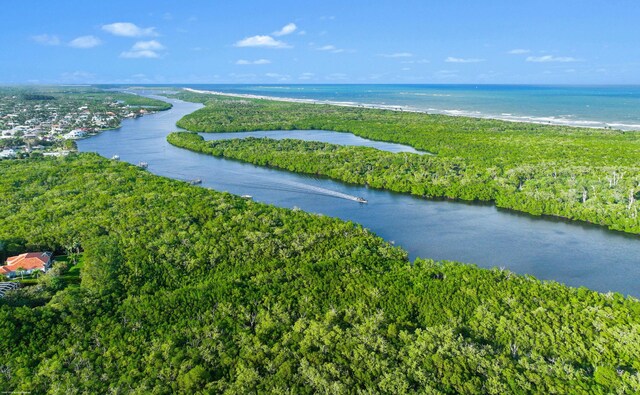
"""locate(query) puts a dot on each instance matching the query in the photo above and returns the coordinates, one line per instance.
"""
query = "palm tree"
(21, 272)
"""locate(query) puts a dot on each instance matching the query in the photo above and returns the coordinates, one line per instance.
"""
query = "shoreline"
(377, 198)
(550, 121)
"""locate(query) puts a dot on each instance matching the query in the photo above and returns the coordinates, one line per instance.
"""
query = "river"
(568, 252)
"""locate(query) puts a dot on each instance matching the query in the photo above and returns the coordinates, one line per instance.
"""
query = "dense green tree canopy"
(186, 290)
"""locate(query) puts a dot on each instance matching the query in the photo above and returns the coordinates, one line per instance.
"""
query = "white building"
(7, 153)
(75, 134)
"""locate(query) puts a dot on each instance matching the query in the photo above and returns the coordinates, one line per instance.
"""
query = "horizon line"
(6, 84)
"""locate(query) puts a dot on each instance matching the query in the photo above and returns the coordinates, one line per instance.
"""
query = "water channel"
(568, 252)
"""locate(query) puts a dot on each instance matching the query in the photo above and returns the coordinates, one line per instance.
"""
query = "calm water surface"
(571, 253)
(317, 135)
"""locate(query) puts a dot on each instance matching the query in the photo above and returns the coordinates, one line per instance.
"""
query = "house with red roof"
(28, 263)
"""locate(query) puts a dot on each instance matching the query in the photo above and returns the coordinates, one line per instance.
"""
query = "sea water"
(616, 107)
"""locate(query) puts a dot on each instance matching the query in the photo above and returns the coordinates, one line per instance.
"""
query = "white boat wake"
(323, 191)
(280, 185)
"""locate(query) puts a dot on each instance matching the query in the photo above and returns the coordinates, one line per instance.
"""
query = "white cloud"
(46, 39)
(127, 29)
(286, 29)
(376, 76)
(85, 42)
(144, 49)
(139, 54)
(550, 58)
(452, 59)
(446, 74)
(261, 41)
(336, 76)
(279, 77)
(518, 51)
(77, 77)
(331, 48)
(419, 61)
(306, 76)
(152, 45)
(259, 61)
(397, 55)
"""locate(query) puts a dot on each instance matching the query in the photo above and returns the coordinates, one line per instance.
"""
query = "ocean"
(616, 107)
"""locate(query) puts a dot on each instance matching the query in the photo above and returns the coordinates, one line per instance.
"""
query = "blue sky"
(454, 41)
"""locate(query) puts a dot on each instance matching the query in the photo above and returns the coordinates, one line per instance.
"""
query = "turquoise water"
(617, 107)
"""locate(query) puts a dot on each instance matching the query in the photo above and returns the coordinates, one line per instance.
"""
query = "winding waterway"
(572, 253)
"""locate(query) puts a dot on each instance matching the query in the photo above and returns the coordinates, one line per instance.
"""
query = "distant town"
(46, 121)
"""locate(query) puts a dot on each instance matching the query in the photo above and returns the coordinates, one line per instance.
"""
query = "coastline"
(552, 121)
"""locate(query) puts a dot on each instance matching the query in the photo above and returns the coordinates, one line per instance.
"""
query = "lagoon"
(339, 138)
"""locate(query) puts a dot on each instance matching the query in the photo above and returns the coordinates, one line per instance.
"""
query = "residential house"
(75, 134)
(28, 262)
(7, 153)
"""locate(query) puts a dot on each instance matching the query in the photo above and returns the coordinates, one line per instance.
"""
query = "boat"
(195, 182)
(143, 165)
(361, 200)
(115, 157)
(246, 197)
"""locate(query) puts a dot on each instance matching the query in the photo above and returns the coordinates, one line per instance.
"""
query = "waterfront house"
(7, 153)
(28, 262)
(75, 134)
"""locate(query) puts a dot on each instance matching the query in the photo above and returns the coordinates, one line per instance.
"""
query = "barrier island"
(581, 174)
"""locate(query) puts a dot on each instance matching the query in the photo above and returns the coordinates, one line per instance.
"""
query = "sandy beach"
(452, 113)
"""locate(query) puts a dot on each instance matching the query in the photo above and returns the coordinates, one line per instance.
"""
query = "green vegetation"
(186, 290)
(581, 174)
(36, 96)
(70, 267)
(38, 288)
